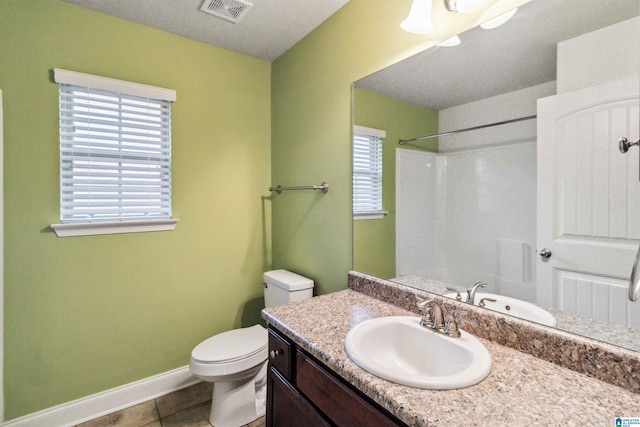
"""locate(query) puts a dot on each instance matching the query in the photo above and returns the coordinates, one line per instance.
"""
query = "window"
(367, 173)
(115, 156)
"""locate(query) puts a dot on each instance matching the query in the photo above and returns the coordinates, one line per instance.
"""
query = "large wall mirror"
(509, 172)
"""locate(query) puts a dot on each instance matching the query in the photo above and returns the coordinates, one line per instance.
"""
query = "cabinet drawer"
(280, 354)
(337, 401)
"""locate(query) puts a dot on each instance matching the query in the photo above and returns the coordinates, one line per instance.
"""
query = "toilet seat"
(236, 361)
(231, 345)
(231, 351)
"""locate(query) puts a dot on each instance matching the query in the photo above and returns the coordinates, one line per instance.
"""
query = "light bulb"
(450, 42)
(419, 19)
(498, 20)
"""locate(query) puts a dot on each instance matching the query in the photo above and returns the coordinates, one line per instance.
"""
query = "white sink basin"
(515, 307)
(399, 350)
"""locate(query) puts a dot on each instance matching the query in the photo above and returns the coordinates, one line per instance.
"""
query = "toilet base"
(236, 403)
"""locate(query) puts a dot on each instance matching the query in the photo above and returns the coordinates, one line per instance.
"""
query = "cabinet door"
(285, 406)
(344, 406)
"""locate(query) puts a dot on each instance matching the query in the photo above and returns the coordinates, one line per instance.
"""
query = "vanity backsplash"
(605, 362)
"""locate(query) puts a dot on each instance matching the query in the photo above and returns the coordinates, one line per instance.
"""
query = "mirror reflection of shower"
(473, 204)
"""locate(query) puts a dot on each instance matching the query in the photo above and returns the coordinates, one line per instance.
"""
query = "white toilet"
(236, 361)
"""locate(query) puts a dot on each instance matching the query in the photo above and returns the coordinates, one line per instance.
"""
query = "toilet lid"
(231, 345)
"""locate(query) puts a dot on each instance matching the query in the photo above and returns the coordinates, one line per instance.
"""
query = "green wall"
(85, 314)
(311, 125)
(374, 240)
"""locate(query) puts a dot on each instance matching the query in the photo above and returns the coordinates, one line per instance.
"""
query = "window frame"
(122, 224)
(376, 135)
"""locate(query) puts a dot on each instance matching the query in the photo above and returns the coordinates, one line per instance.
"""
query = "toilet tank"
(282, 286)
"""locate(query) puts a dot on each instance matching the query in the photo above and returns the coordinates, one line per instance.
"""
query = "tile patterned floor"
(184, 408)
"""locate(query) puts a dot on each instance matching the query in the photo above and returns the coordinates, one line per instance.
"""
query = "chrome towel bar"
(279, 189)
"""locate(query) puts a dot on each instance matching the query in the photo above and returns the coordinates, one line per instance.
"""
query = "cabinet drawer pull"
(275, 353)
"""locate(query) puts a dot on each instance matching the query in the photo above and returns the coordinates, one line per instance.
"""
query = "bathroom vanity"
(294, 374)
(313, 382)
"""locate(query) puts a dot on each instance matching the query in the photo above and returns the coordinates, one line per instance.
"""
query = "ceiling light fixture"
(462, 6)
(498, 20)
(453, 41)
(419, 19)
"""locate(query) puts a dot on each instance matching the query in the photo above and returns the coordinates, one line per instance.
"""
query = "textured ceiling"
(268, 30)
(519, 54)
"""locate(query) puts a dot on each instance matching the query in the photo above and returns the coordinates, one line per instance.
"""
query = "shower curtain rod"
(404, 141)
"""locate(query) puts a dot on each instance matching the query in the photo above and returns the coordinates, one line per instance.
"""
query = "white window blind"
(115, 150)
(367, 170)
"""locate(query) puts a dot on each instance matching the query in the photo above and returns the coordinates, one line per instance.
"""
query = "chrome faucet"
(471, 293)
(433, 318)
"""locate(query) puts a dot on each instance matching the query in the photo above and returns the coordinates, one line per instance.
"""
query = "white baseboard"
(103, 403)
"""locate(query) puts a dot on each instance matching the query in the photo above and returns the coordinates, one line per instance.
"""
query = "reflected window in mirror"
(367, 172)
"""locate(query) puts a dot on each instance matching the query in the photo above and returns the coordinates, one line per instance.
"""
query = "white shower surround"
(468, 213)
(469, 216)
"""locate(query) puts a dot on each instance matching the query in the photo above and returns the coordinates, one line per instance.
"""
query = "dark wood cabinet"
(280, 354)
(301, 391)
(285, 405)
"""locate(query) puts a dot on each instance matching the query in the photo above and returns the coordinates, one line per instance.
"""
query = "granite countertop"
(520, 390)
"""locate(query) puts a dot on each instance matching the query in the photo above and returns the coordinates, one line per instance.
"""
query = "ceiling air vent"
(230, 10)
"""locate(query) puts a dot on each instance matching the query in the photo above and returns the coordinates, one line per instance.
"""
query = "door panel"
(598, 297)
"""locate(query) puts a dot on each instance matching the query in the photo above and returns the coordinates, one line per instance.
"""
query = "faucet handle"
(422, 302)
(482, 304)
(457, 291)
(427, 315)
(451, 328)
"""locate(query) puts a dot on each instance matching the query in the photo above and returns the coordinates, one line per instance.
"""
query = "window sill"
(369, 215)
(96, 228)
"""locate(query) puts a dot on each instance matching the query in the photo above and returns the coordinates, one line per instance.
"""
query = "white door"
(589, 201)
